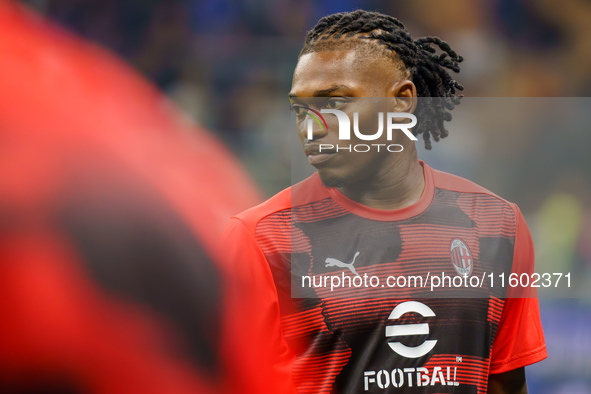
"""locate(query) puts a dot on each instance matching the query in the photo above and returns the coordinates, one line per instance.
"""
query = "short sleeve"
(520, 339)
(254, 325)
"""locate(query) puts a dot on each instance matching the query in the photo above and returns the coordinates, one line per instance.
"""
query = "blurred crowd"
(228, 64)
(209, 54)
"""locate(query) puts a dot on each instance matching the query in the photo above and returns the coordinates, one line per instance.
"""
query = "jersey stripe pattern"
(384, 338)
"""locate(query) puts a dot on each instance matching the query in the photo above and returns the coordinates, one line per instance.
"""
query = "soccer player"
(381, 213)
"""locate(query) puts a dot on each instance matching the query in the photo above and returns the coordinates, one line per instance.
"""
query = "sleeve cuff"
(519, 361)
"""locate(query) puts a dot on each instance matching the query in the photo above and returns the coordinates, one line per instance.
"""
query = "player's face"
(341, 78)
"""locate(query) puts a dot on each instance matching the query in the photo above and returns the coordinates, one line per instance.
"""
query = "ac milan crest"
(461, 257)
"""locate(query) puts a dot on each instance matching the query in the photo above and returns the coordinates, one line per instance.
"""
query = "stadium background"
(228, 65)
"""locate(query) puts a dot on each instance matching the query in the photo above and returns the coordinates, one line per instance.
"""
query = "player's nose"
(312, 129)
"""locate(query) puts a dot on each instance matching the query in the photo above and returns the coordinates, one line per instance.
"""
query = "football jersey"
(375, 332)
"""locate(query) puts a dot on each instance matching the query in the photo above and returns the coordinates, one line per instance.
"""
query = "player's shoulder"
(455, 183)
(302, 193)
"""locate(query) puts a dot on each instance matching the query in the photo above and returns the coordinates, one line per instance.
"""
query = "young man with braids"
(379, 213)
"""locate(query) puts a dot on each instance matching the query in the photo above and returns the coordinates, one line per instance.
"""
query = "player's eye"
(335, 103)
(298, 109)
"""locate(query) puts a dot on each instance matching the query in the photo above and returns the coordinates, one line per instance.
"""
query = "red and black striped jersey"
(383, 327)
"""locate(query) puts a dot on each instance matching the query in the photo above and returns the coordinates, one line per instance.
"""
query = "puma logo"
(330, 262)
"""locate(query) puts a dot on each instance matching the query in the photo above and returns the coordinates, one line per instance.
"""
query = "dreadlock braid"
(428, 70)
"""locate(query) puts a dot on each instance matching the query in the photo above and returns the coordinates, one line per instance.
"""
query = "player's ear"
(405, 94)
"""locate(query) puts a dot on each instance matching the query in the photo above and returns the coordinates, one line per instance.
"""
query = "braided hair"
(427, 69)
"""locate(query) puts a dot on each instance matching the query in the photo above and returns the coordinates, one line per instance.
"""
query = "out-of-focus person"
(111, 207)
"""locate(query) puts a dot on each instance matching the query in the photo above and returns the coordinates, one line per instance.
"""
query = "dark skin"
(381, 180)
(511, 382)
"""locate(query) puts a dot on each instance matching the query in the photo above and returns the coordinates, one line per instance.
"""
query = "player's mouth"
(318, 154)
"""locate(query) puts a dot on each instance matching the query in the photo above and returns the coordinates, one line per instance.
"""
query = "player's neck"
(397, 187)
